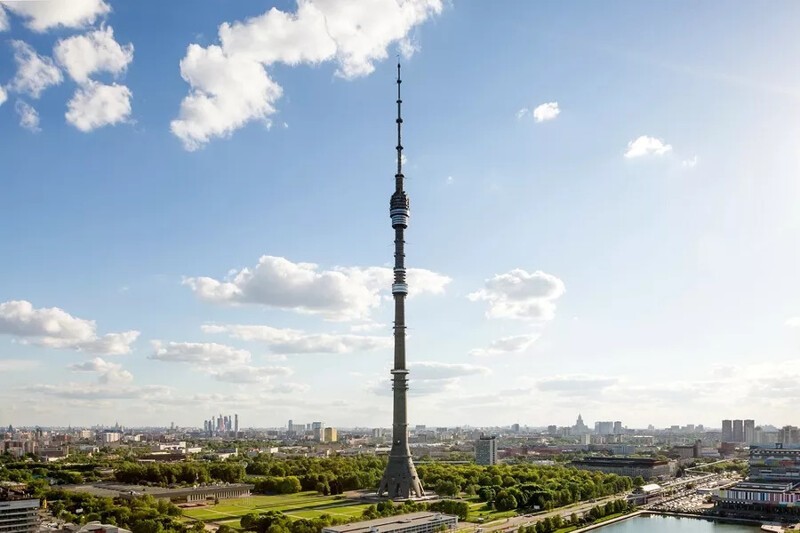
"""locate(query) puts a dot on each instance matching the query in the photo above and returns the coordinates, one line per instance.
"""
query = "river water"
(671, 524)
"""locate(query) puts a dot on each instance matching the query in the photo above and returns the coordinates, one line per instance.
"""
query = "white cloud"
(522, 295)
(645, 145)
(344, 293)
(793, 322)
(689, 163)
(12, 365)
(42, 15)
(449, 180)
(35, 73)
(431, 370)
(290, 341)
(96, 105)
(109, 391)
(248, 374)
(108, 372)
(369, 326)
(28, 116)
(575, 384)
(229, 83)
(96, 51)
(515, 344)
(227, 92)
(199, 353)
(55, 328)
(428, 378)
(3, 95)
(546, 111)
(4, 25)
(522, 112)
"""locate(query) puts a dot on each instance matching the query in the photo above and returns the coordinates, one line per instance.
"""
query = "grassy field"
(296, 506)
(480, 513)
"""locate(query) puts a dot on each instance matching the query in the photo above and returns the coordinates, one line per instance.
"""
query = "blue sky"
(603, 211)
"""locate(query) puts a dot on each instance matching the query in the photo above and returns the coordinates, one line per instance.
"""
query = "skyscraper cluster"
(222, 425)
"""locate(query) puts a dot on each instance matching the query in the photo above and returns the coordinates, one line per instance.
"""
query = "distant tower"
(400, 480)
(236, 424)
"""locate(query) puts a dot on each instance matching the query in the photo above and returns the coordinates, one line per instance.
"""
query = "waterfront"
(672, 524)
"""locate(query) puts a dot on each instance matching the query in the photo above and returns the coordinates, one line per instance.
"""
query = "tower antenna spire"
(399, 175)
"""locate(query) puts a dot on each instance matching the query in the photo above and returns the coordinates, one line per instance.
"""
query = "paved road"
(513, 523)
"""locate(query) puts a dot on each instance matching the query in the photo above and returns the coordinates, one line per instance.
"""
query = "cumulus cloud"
(96, 51)
(426, 370)
(291, 341)
(578, 384)
(689, 163)
(645, 145)
(41, 15)
(107, 371)
(4, 25)
(35, 73)
(11, 365)
(3, 95)
(515, 344)
(522, 295)
(248, 374)
(546, 111)
(229, 82)
(96, 105)
(793, 322)
(199, 353)
(28, 116)
(109, 391)
(55, 328)
(343, 293)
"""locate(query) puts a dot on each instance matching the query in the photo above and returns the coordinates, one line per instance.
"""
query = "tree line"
(553, 523)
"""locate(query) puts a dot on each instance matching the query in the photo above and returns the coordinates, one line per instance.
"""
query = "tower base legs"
(400, 480)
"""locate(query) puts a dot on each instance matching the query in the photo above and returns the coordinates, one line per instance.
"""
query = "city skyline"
(193, 217)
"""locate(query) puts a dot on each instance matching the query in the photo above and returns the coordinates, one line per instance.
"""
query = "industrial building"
(423, 522)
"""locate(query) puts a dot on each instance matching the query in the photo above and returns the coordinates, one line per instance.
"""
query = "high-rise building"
(19, 516)
(749, 431)
(486, 451)
(580, 427)
(318, 428)
(738, 431)
(604, 428)
(400, 479)
(515, 428)
(236, 425)
(617, 428)
(727, 431)
(331, 435)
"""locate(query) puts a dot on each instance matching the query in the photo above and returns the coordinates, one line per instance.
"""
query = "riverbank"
(724, 520)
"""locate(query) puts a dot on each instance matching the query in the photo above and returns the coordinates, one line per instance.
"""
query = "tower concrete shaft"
(400, 480)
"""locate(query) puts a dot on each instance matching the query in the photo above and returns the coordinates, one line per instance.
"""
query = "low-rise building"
(646, 467)
(19, 515)
(422, 522)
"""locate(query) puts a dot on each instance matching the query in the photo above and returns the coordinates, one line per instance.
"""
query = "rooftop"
(391, 523)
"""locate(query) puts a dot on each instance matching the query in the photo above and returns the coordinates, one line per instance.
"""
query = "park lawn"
(478, 510)
(302, 505)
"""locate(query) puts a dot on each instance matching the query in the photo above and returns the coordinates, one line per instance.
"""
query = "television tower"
(400, 480)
